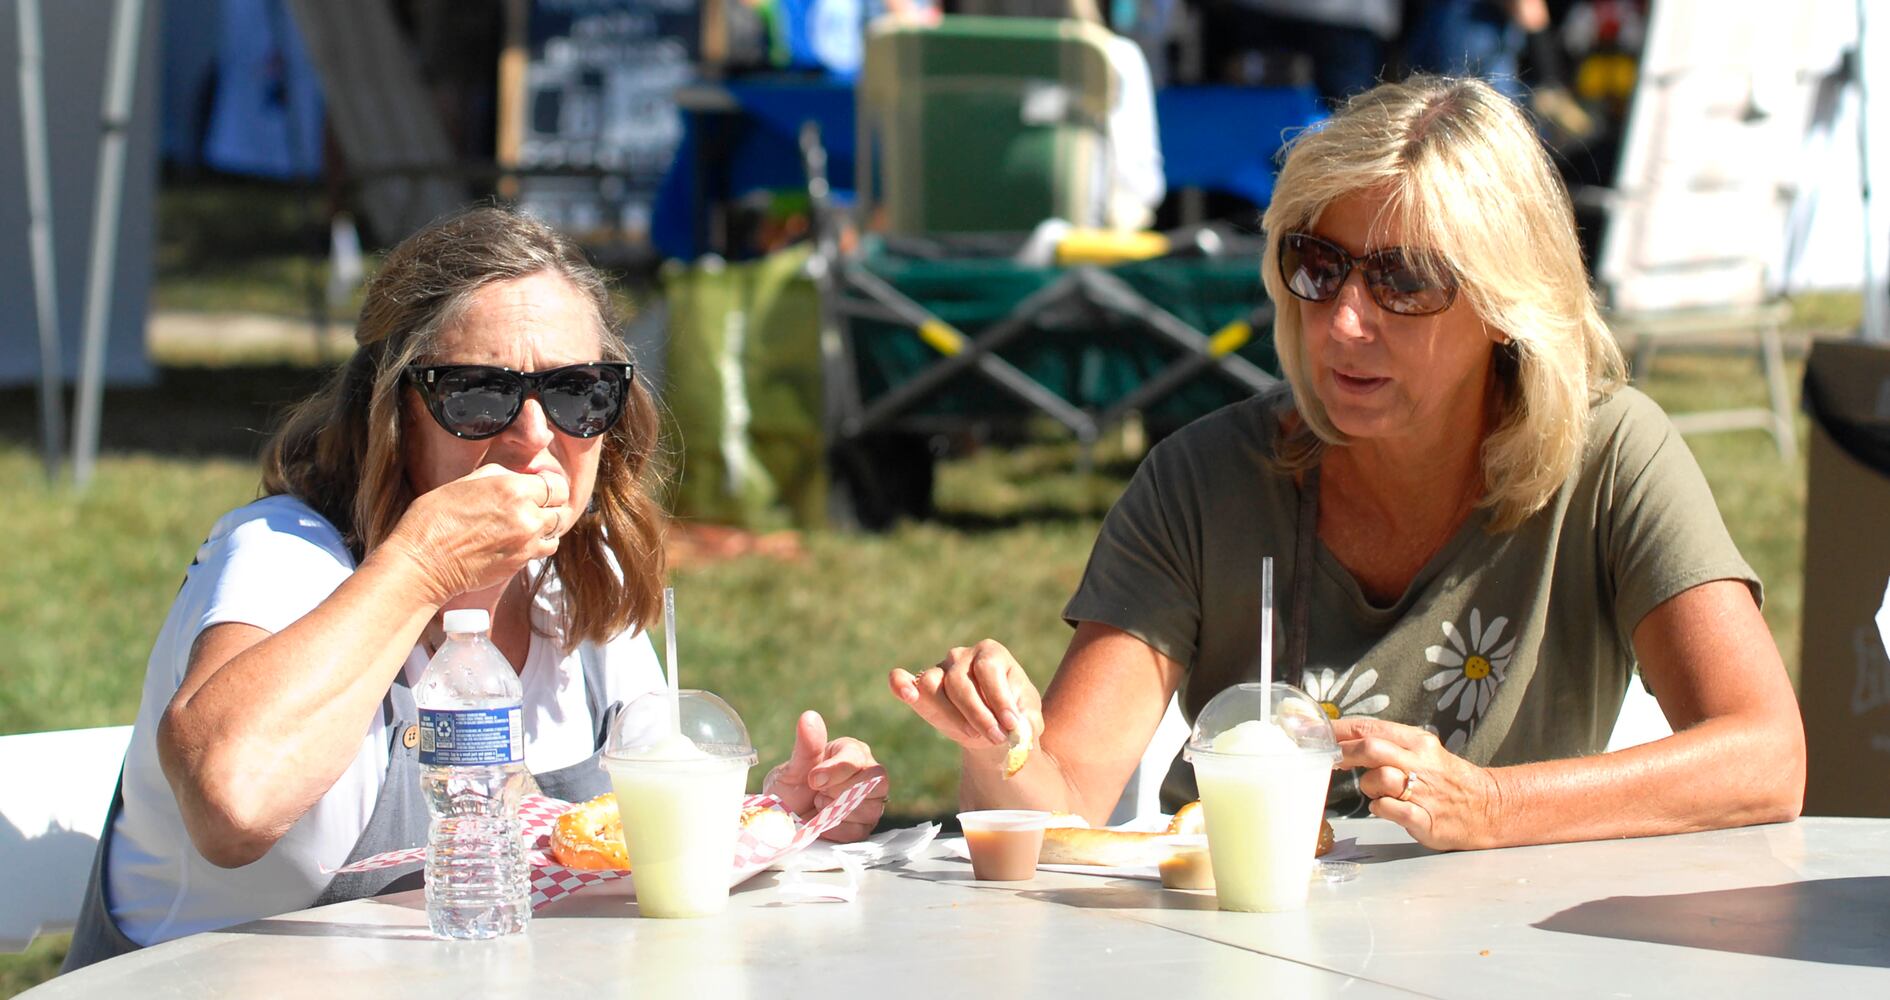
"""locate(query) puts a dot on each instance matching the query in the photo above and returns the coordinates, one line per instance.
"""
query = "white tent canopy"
(77, 47)
(1741, 173)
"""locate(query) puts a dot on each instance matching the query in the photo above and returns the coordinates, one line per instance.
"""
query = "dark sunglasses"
(478, 401)
(1314, 270)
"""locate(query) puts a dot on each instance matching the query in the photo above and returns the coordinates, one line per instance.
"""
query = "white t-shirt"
(267, 565)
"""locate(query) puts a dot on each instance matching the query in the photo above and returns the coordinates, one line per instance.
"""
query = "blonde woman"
(488, 446)
(1479, 531)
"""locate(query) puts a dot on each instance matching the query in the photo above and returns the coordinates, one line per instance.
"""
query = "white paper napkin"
(890, 847)
(798, 879)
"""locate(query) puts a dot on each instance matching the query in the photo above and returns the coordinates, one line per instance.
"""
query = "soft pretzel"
(590, 835)
(1080, 845)
(771, 825)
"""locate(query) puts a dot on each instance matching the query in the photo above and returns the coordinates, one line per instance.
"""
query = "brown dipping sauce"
(1187, 869)
(1004, 855)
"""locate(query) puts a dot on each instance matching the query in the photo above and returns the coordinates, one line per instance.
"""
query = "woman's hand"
(1441, 800)
(821, 770)
(476, 532)
(975, 695)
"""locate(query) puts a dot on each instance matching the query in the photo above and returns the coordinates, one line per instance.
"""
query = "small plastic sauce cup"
(1186, 865)
(1004, 843)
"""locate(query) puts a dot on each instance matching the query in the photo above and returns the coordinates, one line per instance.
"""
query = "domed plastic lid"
(711, 730)
(1240, 722)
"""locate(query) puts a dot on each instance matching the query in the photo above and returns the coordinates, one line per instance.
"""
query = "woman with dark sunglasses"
(1480, 532)
(488, 446)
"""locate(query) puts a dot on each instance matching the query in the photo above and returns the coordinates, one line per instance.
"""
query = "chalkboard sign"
(600, 83)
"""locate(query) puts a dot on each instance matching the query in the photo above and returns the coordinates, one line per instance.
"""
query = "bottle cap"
(466, 620)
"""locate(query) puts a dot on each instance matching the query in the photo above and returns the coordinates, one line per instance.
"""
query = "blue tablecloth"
(1215, 138)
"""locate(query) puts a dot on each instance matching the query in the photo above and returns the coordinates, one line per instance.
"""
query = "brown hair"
(1468, 179)
(339, 450)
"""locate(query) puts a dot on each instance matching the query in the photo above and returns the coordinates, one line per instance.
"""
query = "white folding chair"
(52, 808)
(1696, 251)
(1141, 797)
(1641, 719)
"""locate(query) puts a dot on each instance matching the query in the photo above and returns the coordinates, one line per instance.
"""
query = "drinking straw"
(1266, 636)
(669, 658)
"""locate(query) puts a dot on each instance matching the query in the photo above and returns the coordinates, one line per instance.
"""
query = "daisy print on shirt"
(1472, 668)
(1342, 694)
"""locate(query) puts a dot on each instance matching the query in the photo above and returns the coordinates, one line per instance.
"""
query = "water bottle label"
(471, 737)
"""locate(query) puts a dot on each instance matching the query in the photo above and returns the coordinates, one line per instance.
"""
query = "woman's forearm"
(1101, 710)
(253, 744)
(1039, 784)
(1731, 770)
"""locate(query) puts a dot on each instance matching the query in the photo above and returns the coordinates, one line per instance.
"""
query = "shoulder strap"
(593, 662)
(1304, 533)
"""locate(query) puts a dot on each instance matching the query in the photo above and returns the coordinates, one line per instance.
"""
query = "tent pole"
(52, 406)
(1875, 289)
(120, 74)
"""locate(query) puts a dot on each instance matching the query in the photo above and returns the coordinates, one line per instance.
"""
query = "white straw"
(1266, 637)
(669, 658)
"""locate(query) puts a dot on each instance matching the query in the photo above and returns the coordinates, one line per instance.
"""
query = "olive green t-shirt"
(1512, 647)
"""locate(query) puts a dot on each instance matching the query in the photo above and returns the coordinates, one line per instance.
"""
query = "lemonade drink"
(681, 811)
(1262, 796)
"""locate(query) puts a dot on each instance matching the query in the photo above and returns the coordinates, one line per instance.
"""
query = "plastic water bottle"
(472, 755)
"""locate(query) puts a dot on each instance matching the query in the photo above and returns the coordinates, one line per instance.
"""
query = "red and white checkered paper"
(552, 881)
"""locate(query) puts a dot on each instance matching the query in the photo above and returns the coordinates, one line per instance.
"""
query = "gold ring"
(1404, 794)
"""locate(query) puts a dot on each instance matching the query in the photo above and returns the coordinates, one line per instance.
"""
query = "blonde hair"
(1465, 176)
(339, 451)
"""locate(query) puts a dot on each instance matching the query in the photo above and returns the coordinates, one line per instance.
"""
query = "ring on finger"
(546, 502)
(1404, 794)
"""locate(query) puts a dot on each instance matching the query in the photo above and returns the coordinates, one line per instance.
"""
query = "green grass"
(97, 571)
(1835, 313)
(1761, 497)
(230, 246)
(38, 963)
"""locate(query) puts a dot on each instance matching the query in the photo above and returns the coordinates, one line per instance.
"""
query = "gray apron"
(399, 820)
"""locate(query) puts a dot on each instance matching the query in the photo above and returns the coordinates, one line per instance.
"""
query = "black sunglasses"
(1314, 270)
(478, 401)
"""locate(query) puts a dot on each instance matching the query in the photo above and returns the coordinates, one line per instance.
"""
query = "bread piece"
(772, 825)
(590, 835)
(1132, 848)
(1188, 819)
(1019, 753)
(1109, 848)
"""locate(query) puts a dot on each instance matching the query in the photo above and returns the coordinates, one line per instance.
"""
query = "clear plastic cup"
(1262, 759)
(1004, 843)
(680, 795)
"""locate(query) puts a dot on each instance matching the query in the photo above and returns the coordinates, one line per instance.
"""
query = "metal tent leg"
(1772, 357)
